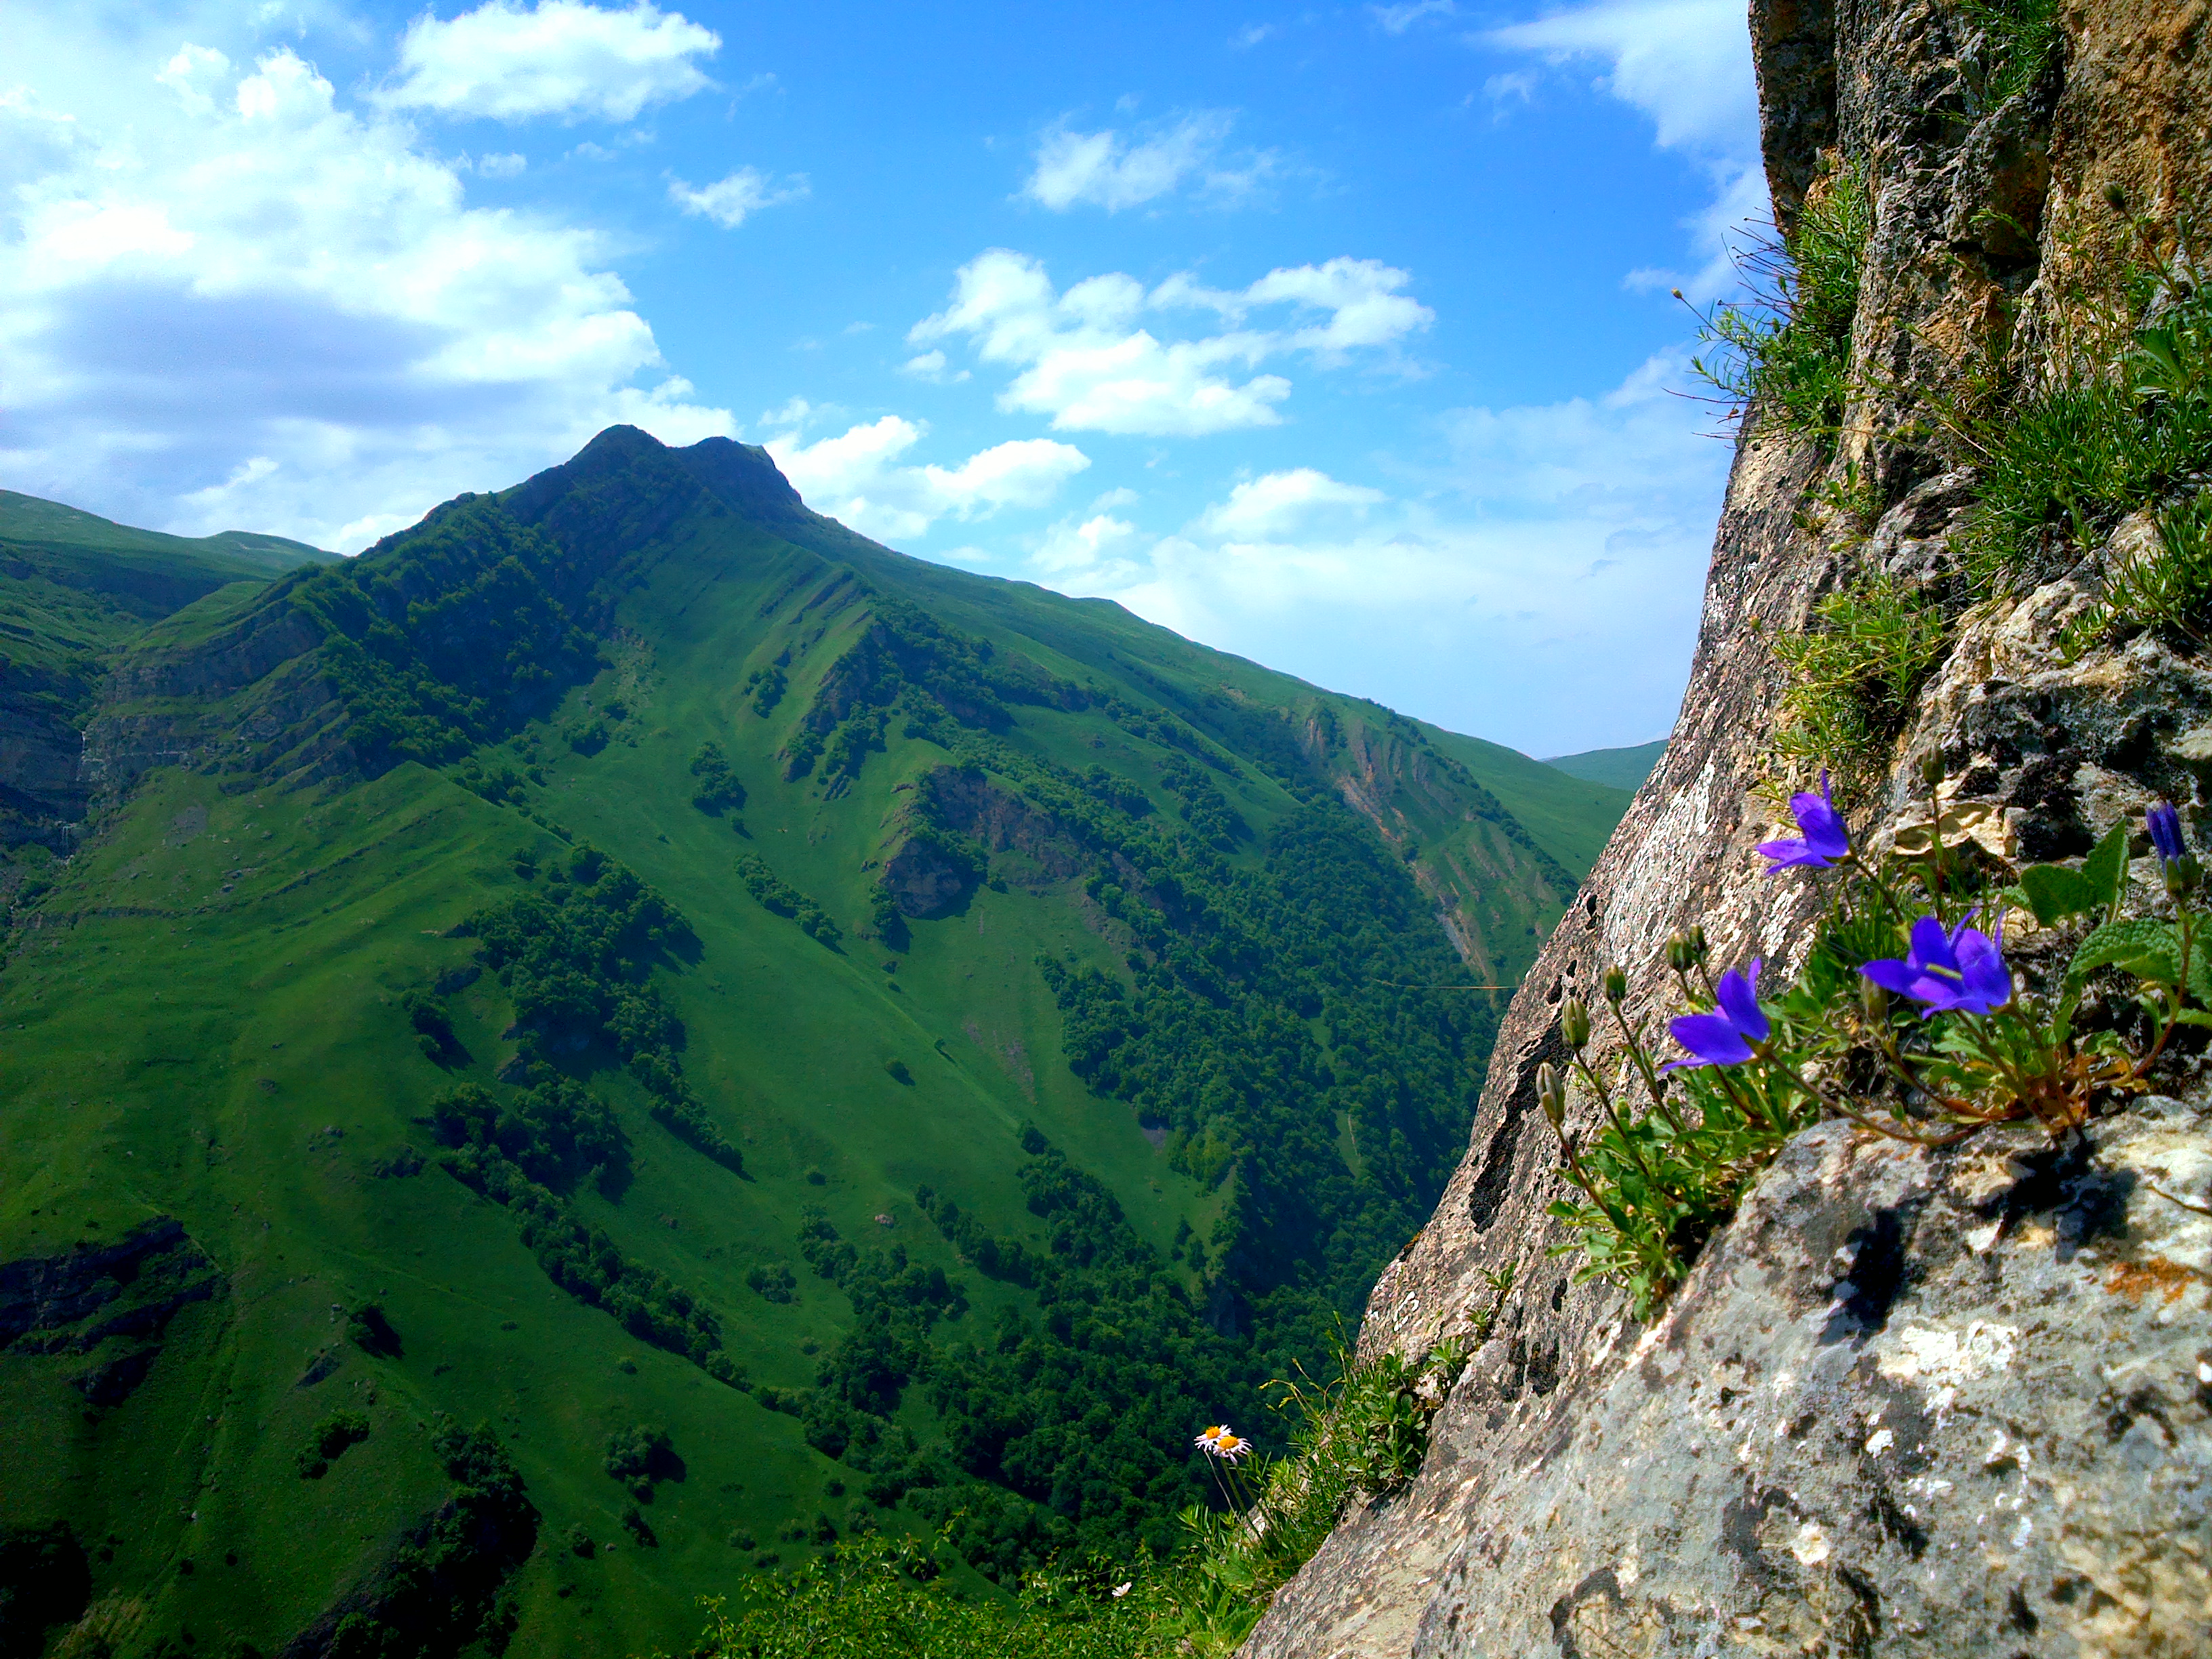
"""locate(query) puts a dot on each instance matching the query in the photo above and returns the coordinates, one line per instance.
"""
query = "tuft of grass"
(2063, 462)
(1855, 669)
(2168, 589)
(1782, 353)
(2019, 40)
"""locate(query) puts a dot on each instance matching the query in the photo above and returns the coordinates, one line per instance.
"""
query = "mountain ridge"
(769, 988)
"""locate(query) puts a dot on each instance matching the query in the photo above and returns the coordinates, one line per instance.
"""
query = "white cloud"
(1396, 20)
(1106, 169)
(858, 477)
(728, 201)
(1280, 502)
(1686, 65)
(502, 166)
(1555, 556)
(1084, 358)
(931, 366)
(1517, 85)
(561, 57)
(1252, 35)
(234, 303)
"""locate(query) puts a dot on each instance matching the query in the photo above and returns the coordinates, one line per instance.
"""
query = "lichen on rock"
(1910, 1400)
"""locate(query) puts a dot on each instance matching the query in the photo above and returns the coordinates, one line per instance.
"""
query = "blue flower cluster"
(1956, 969)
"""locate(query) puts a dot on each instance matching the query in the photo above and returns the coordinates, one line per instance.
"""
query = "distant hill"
(1572, 816)
(1617, 768)
(74, 589)
(783, 1035)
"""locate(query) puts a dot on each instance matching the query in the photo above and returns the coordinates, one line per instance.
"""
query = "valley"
(635, 1033)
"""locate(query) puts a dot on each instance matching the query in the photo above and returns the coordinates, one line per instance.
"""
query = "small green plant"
(2166, 589)
(1782, 352)
(1359, 1434)
(873, 1598)
(328, 1441)
(2019, 40)
(2059, 465)
(1854, 671)
(1853, 500)
(1974, 1046)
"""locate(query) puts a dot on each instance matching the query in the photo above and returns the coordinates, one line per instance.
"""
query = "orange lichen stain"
(2137, 1280)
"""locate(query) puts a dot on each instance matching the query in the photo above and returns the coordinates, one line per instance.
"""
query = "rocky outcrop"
(114, 1302)
(1908, 1401)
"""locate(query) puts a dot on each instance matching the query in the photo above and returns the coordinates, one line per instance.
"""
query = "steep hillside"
(768, 1035)
(1617, 768)
(74, 589)
(1938, 1380)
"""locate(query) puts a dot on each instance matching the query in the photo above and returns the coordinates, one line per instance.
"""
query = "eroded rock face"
(1908, 1401)
(1926, 1402)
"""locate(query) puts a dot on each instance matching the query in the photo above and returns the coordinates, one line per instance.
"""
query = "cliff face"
(1909, 1402)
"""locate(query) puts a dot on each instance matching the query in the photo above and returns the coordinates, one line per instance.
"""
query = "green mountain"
(74, 589)
(630, 1031)
(1617, 768)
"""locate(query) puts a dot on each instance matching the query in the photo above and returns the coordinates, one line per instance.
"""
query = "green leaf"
(2106, 868)
(2054, 892)
(2139, 945)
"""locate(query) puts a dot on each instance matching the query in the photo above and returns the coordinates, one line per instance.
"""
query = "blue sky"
(1339, 337)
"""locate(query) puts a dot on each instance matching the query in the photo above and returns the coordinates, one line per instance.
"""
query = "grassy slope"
(213, 988)
(30, 521)
(1618, 769)
(1572, 816)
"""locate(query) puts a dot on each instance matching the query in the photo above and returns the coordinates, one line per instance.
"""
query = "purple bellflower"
(1725, 1036)
(1825, 839)
(1961, 971)
(2165, 826)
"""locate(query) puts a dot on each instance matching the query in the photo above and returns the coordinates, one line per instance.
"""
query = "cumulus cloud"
(1109, 170)
(1084, 357)
(1552, 553)
(560, 57)
(728, 200)
(1280, 502)
(226, 301)
(859, 476)
(1686, 65)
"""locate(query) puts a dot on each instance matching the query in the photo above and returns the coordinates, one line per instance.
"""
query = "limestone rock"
(1908, 1401)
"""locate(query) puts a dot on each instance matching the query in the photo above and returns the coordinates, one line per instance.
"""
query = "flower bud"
(2183, 875)
(1551, 1095)
(1932, 769)
(1699, 949)
(1616, 983)
(1874, 1002)
(1575, 1025)
(1679, 957)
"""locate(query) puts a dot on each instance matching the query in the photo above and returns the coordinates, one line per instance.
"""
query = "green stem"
(2176, 995)
(1857, 1116)
(1635, 1041)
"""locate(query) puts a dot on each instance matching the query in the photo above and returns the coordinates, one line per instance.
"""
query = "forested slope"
(629, 1032)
